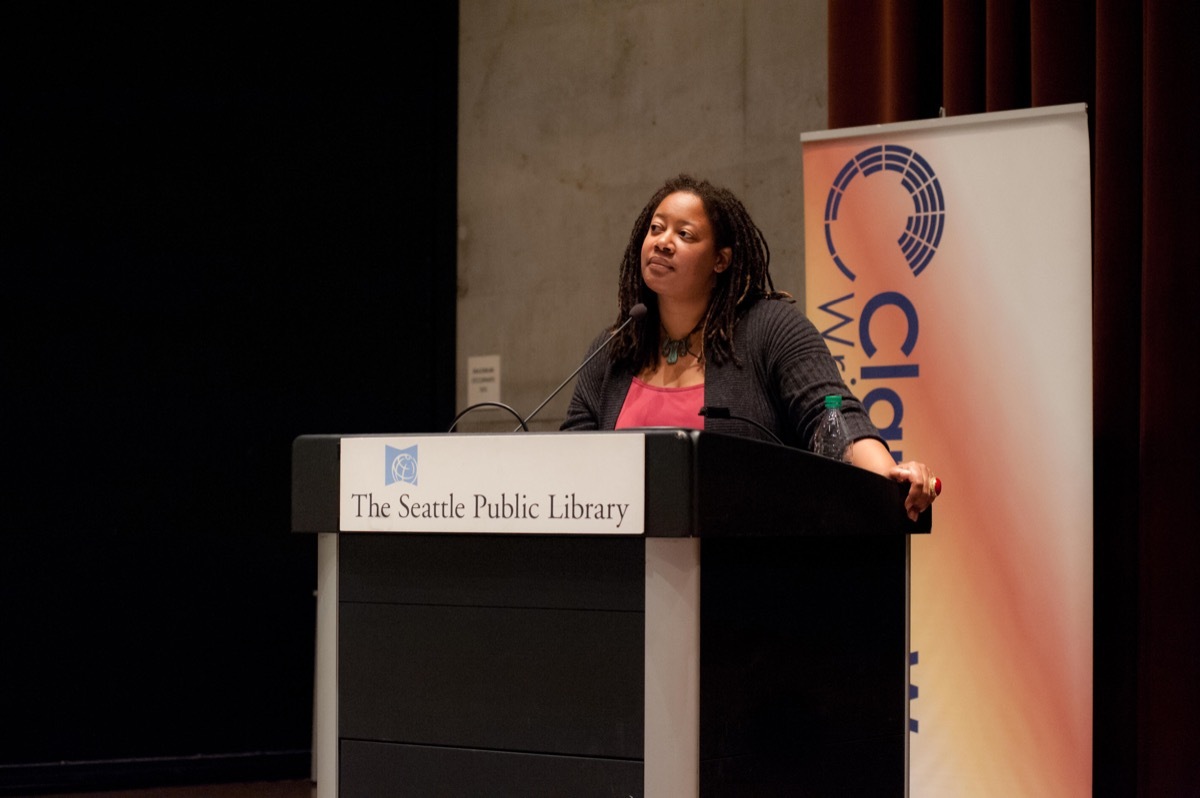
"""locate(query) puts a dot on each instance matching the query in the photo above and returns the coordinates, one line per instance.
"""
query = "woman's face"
(680, 259)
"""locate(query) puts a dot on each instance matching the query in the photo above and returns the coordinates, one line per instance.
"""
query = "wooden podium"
(753, 641)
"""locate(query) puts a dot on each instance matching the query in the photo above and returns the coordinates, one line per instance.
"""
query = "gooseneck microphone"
(478, 405)
(636, 312)
(709, 411)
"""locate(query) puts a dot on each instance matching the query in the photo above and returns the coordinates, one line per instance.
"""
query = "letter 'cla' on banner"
(948, 266)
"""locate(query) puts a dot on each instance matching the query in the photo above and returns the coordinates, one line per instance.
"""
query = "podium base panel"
(514, 665)
(803, 666)
(850, 770)
(372, 769)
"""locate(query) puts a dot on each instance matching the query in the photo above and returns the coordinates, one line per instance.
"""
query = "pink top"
(648, 406)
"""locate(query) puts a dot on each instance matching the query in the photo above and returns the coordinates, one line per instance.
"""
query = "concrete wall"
(571, 114)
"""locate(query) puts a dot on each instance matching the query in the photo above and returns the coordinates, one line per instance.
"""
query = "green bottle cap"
(833, 402)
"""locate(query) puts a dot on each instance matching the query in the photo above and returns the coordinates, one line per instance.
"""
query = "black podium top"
(704, 483)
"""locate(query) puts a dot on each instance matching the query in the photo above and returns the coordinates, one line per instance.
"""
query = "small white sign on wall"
(483, 379)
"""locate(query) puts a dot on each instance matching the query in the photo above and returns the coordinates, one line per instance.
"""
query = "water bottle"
(832, 439)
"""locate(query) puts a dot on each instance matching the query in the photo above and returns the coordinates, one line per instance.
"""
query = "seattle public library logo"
(400, 465)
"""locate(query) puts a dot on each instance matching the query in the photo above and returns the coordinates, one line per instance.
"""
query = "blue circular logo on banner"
(923, 232)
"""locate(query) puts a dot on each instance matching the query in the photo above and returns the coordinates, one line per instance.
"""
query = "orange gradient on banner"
(950, 274)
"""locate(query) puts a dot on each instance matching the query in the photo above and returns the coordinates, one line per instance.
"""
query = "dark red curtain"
(1135, 65)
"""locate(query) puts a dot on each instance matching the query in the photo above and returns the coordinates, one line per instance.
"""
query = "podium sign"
(529, 483)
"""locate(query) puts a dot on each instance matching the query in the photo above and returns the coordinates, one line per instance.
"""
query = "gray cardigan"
(785, 373)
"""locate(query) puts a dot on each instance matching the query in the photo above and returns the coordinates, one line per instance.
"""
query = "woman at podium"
(716, 333)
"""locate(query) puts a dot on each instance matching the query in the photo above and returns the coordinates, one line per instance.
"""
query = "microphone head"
(637, 311)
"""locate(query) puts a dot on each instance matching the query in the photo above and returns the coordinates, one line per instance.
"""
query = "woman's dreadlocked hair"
(743, 283)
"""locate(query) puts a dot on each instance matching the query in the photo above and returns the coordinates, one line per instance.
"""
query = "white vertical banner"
(948, 266)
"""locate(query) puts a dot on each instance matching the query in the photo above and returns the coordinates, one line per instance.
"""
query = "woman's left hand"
(924, 487)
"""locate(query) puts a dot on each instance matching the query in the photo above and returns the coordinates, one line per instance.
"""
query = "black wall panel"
(222, 230)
